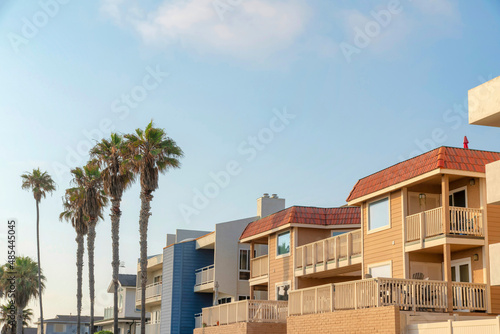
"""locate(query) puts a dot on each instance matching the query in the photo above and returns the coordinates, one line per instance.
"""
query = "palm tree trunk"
(39, 264)
(19, 320)
(79, 281)
(115, 228)
(143, 229)
(90, 247)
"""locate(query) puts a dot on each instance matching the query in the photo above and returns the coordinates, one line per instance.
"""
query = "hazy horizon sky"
(294, 97)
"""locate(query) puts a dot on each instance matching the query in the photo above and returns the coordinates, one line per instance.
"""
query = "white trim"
(451, 192)
(249, 264)
(380, 264)
(242, 296)
(459, 262)
(279, 256)
(385, 227)
(289, 283)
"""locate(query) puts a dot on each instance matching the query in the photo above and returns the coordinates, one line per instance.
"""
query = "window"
(244, 264)
(461, 270)
(157, 279)
(335, 233)
(282, 291)
(283, 243)
(458, 198)
(224, 300)
(59, 328)
(382, 270)
(243, 297)
(378, 214)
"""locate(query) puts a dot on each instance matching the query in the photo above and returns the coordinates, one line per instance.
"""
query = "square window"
(283, 243)
(381, 271)
(378, 214)
(282, 291)
(244, 266)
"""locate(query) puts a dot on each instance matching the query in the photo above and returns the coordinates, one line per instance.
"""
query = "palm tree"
(8, 327)
(94, 201)
(40, 183)
(26, 285)
(111, 154)
(153, 153)
(73, 212)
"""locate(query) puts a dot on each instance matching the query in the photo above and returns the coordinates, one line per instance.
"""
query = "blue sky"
(357, 85)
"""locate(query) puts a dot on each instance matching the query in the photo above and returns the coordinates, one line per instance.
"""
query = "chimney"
(268, 205)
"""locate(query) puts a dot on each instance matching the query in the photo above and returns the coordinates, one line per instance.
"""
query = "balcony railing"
(245, 311)
(108, 312)
(463, 221)
(198, 320)
(259, 266)
(375, 292)
(334, 249)
(152, 291)
(150, 328)
(205, 275)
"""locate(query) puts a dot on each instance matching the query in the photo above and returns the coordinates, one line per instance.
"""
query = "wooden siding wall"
(493, 238)
(473, 194)
(308, 235)
(280, 269)
(378, 246)
(303, 283)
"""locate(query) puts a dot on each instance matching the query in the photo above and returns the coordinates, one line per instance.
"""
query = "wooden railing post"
(445, 193)
(301, 302)
(325, 254)
(349, 248)
(314, 258)
(304, 259)
(422, 229)
(332, 297)
(355, 295)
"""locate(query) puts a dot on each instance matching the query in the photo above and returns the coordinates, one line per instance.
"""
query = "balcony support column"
(447, 275)
(445, 203)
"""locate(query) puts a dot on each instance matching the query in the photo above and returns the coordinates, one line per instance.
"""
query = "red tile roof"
(442, 157)
(304, 215)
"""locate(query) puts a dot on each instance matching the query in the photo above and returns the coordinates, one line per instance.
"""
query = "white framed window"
(382, 269)
(458, 197)
(283, 244)
(335, 232)
(158, 279)
(282, 290)
(379, 215)
(244, 265)
(461, 270)
(226, 300)
(243, 297)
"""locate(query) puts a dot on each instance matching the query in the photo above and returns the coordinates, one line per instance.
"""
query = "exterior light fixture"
(472, 182)
(476, 257)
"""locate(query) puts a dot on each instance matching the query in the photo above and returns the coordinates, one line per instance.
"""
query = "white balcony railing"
(152, 291)
(108, 312)
(205, 275)
(198, 320)
(463, 221)
(150, 328)
(246, 311)
(334, 249)
(375, 292)
(259, 266)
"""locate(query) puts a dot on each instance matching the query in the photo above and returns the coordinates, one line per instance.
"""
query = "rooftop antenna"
(466, 142)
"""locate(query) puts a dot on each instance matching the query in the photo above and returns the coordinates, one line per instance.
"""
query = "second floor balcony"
(108, 313)
(259, 269)
(205, 279)
(329, 254)
(153, 294)
(463, 222)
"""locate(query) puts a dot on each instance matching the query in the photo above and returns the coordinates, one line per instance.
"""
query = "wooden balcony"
(259, 269)
(375, 292)
(339, 251)
(466, 222)
(269, 311)
(153, 294)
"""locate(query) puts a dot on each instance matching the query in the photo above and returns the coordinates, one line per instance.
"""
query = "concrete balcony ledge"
(493, 182)
(484, 104)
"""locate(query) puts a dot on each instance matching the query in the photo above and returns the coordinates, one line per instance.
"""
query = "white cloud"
(243, 28)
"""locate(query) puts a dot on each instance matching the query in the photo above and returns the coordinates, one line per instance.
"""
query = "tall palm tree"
(40, 183)
(90, 179)
(153, 153)
(117, 175)
(26, 285)
(8, 327)
(73, 213)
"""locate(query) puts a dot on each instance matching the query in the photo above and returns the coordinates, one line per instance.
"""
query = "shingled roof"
(304, 215)
(127, 279)
(440, 158)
